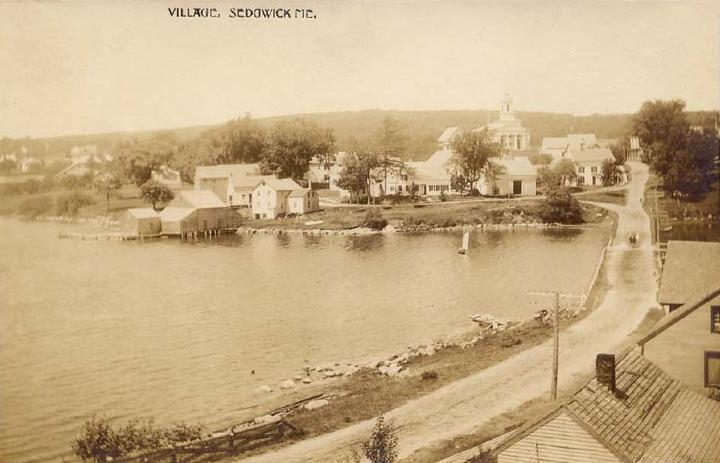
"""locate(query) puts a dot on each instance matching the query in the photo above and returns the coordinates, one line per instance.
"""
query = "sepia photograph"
(359, 231)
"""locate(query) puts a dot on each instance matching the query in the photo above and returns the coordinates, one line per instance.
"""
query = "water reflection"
(692, 231)
(311, 242)
(283, 239)
(365, 243)
(562, 234)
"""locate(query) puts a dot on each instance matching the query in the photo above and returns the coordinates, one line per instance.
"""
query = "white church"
(508, 131)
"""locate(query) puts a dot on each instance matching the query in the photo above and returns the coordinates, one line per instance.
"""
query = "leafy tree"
(548, 178)
(137, 159)
(293, 144)
(356, 175)
(381, 447)
(472, 151)
(390, 146)
(493, 171)
(662, 127)
(239, 141)
(693, 171)
(107, 182)
(539, 159)
(155, 192)
(204, 151)
(565, 171)
(608, 172)
(559, 206)
(459, 183)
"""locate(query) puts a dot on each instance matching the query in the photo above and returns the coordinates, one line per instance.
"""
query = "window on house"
(593, 169)
(712, 368)
(581, 169)
(581, 180)
(715, 319)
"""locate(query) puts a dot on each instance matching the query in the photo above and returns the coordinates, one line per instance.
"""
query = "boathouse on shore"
(141, 222)
(197, 211)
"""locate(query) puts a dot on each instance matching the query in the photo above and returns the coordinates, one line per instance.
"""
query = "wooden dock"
(115, 236)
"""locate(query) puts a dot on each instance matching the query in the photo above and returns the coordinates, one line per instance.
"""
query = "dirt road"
(462, 407)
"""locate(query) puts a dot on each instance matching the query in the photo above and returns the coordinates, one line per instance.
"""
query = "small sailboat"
(465, 243)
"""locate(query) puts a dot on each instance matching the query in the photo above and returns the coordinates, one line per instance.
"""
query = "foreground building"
(686, 344)
(632, 412)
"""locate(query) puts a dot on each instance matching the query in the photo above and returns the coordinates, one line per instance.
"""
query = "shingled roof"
(650, 418)
(692, 269)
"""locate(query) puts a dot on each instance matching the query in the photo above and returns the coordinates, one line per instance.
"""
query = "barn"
(197, 211)
(141, 222)
(303, 201)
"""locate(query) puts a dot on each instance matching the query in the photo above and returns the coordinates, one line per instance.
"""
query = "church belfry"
(506, 109)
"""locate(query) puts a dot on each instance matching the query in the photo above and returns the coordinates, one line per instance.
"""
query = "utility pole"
(556, 334)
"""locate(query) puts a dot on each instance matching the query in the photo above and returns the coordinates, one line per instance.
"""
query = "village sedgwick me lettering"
(244, 13)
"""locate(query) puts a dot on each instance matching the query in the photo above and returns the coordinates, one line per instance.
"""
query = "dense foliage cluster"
(684, 156)
(99, 441)
(375, 220)
(382, 445)
(559, 206)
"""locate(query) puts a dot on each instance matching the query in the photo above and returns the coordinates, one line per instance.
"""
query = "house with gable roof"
(686, 343)
(631, 412)
(588, 164)
(270, 197)
(232, 183)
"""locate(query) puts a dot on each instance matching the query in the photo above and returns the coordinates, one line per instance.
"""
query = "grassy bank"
(672, 211)
(71, 203)
(618, 197)
(427, 216)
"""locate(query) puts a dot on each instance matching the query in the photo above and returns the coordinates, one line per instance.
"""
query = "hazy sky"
(80, 67)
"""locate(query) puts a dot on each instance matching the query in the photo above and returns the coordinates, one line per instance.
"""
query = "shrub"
(560, 207)
(98, 440)
(381, 447)
(509, 341)
(35, 206)
(375, 220)
(70, 203)
(429, 375)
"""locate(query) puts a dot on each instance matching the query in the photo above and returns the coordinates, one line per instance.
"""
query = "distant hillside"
(421, 128)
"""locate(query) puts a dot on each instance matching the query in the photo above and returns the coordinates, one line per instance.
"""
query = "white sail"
(466, 240)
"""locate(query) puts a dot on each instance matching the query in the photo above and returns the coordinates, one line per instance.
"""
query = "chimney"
(605, 370)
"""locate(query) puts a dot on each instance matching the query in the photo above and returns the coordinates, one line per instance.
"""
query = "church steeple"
(506, 110)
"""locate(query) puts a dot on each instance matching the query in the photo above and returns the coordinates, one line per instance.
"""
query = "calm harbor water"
(171, 330)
